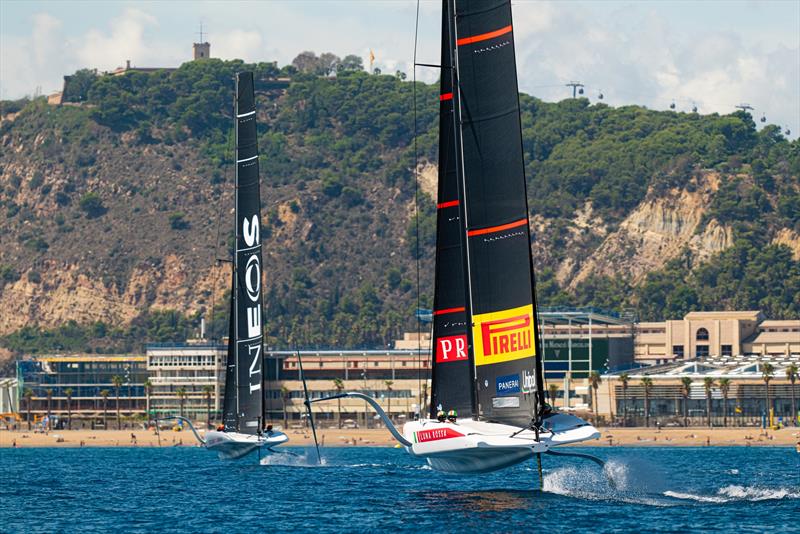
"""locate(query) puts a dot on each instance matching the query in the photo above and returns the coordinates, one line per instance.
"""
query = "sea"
(362, 489)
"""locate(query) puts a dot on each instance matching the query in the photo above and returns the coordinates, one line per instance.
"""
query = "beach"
(380, 437)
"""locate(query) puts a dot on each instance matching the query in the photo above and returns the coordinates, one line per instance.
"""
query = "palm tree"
(724, 387)
(767, 372)
(181, 393)
(389, 389)
(49, 393)
(553, 390)
(686, 388)
(624, 378)
(339, 385)
(104, 393)
(208, 389)
(647, 382)
(594, 383)
(117, 381)
(27, 394)
(284, 397)
(68, 392)
(148, 388)
(791, 374)
(708, 384)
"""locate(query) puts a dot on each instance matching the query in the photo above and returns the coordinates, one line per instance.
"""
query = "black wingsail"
(452, 364)
(247, 341)
(499, 299)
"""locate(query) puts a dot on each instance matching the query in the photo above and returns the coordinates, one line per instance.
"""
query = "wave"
(738, 493)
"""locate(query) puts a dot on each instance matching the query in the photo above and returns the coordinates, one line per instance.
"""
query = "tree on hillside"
(351, 63)
(76, 86)
(92, 205)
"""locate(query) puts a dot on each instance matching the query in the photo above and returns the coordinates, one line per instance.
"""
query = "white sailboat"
(487, 365)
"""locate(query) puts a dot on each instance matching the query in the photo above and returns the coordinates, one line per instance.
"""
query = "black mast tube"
(462, 205)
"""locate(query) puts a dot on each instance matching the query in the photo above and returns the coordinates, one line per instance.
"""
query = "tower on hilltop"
(202, 50)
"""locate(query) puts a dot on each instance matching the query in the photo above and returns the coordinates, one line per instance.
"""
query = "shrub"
(92, 205)
(178, 222)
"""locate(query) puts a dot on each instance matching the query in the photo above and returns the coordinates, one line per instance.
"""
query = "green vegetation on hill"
(142, 168)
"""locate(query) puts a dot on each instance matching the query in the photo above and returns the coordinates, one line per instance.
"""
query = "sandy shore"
(669, 437)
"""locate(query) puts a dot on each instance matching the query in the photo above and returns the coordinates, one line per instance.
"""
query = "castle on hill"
(199, 51)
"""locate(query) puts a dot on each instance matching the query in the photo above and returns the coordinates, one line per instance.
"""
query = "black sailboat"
(243, 407)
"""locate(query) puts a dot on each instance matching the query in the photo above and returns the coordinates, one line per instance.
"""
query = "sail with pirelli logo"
(484, 272)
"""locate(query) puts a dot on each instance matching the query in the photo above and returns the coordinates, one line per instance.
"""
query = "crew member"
(440, 416)
(221, 428)
(452, 415)
(269, 430)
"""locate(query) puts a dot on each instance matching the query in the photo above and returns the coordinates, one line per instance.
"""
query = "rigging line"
(416, 217)
(216, 241)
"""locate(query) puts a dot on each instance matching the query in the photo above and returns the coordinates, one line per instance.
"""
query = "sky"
(714, 54)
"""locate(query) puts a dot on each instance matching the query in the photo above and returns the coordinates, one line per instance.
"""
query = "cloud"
(652, 61)
(126, 38)
(239, 44)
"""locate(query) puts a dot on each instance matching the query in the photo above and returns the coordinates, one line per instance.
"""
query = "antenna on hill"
(201, 32)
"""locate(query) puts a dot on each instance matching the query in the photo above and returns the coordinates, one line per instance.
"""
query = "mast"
(248, 308)
(452, 366)
(499, 283)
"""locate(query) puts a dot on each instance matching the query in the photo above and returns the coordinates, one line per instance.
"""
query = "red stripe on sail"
(449, 310)
(447, 204)
(493, 229)
(446, 96)
(484, 36)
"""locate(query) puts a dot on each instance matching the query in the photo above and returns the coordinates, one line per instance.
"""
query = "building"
(82, 386)
(187, 378)
(715, 334)
(747, 397)
(201, 50)
(398, 379)
(579, 341)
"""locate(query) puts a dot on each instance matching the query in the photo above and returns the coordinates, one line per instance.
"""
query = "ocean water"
(364, 489)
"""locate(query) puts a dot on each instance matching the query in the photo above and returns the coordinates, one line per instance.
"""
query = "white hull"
(232, 445)
(470, 446)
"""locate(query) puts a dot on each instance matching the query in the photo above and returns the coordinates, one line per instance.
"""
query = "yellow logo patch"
(504, 335)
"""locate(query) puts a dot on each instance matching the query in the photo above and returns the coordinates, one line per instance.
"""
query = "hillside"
(115, 210)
